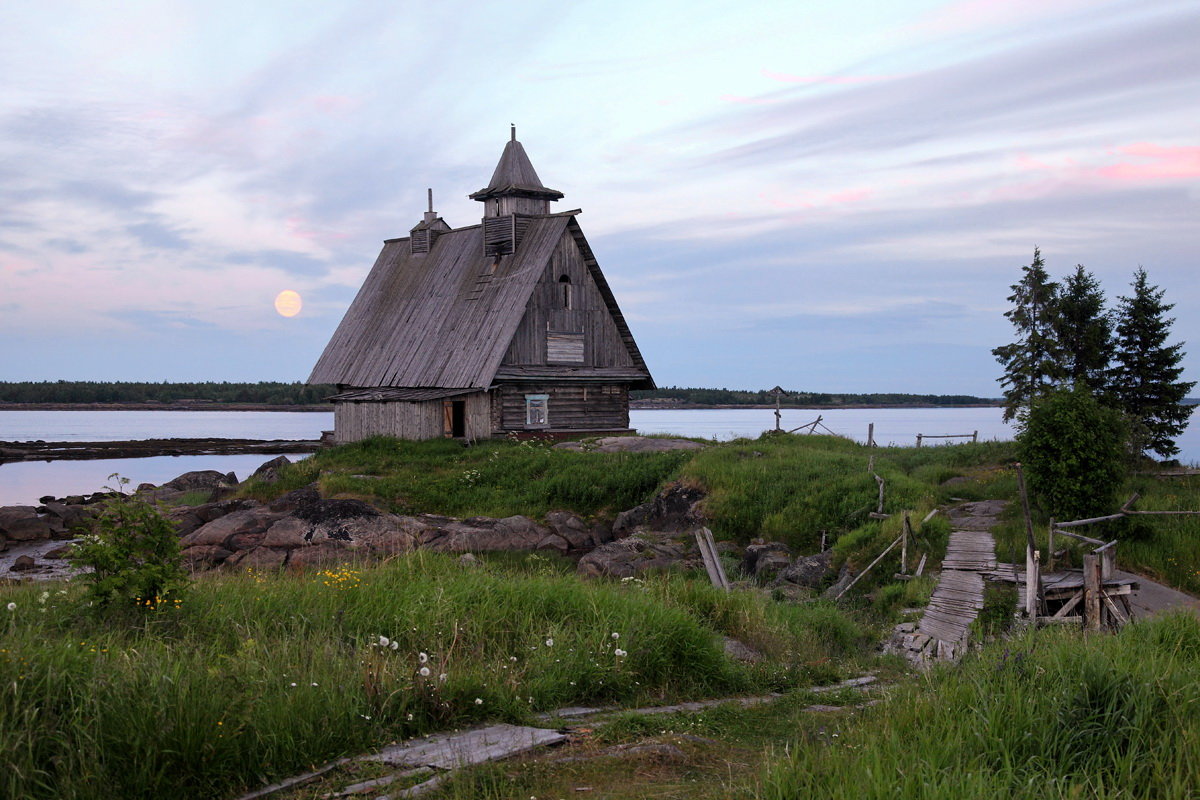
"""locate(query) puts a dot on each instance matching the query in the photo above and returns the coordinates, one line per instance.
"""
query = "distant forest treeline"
(264, 392)
(299, 394)
(738, 397)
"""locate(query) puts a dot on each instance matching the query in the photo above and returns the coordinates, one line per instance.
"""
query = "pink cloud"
(1159, 163)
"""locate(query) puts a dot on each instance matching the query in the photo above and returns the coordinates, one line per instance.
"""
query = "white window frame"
(537, 411)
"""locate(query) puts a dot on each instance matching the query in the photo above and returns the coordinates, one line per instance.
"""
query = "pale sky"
(826, 196)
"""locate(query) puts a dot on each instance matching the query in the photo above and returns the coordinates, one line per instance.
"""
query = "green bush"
(132, 554)
(1073, 451)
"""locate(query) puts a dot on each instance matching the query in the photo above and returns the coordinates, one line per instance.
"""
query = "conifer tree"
(1032, 364)
(1145, 380)
(1085, 331)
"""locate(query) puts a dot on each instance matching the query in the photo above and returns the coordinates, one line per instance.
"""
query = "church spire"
(515, 186)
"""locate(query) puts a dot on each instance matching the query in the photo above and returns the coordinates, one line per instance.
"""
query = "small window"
(536, 410)
(564, 291)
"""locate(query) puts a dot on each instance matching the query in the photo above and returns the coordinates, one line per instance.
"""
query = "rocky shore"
(301, 529)
(142, 448)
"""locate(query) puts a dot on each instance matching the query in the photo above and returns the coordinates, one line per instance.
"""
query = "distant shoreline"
(328, 407)
(162, 407)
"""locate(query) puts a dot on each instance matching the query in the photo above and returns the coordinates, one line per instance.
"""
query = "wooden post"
(879, 480)
(1091, 592)
(1033, 580)
(919, 437)
(871, 435)
(878, 558)
(1030, 546)
(712, 562)
(1050, 547)
(1108, 563)
(822, 541)
(778, 392)
(975, 437)
(921, 565)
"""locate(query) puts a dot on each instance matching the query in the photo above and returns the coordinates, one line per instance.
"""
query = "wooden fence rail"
(973, 436)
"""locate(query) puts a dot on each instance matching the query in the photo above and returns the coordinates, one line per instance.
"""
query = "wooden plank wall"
(603, 345)
(580, 406)
(406, 420)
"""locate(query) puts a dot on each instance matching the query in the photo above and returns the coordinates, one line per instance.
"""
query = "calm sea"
(25, 482)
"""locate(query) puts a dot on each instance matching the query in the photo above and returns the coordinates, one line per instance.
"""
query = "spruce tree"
(1032, 364)
(1085, 331)
(1145, 379)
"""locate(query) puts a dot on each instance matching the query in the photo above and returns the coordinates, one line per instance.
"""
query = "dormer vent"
(423, 236)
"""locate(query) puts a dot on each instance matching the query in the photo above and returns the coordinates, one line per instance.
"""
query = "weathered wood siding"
(577, 406)
(589, 314)
(353, 421)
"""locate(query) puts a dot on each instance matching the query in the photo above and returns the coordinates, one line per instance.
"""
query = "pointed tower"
(514, 192)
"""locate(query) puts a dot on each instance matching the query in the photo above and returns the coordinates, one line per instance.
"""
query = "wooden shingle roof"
(515, 175)
(444, 319)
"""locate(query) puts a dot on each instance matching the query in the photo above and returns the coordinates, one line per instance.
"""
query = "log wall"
(579, 406)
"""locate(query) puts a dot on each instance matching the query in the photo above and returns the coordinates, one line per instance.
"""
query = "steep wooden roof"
(444, 319)
(515, 175)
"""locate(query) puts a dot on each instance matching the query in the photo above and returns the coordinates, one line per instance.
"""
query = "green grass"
(256, 677)
(1049, 714)
(493, 478)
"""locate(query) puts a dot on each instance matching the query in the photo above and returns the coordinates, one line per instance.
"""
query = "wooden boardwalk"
(959, 594)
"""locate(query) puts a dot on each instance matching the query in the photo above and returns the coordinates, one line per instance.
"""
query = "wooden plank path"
(958, 597)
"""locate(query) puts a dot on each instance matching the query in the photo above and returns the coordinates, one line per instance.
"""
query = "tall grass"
(494, 478)
(1049, 714)
(254, 677)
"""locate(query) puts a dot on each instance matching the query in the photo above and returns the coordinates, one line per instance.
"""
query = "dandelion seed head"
(549, 643)
(423, 672)
(12, 606)
(423, 657)
(478, 701)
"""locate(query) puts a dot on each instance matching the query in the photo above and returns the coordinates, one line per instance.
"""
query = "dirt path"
(1153, 598)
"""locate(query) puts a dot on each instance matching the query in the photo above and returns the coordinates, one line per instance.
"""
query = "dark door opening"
(454, 418)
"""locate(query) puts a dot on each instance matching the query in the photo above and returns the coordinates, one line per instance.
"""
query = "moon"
(288, 303)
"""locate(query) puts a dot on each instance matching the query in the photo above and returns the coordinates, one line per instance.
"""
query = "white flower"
(43, 597)
(423, 657)
(293, 683)
(312, 684)
(12, 606)
(423, 672)
(442, 677)
(616, 635)
(549, 643)
(619, 652)
(410, 717)
(394, 645)
(384, 641)
(478, 701)
(512, 658)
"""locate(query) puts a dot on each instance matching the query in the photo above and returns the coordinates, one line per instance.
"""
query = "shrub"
(133, 554)
(1073, 451)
